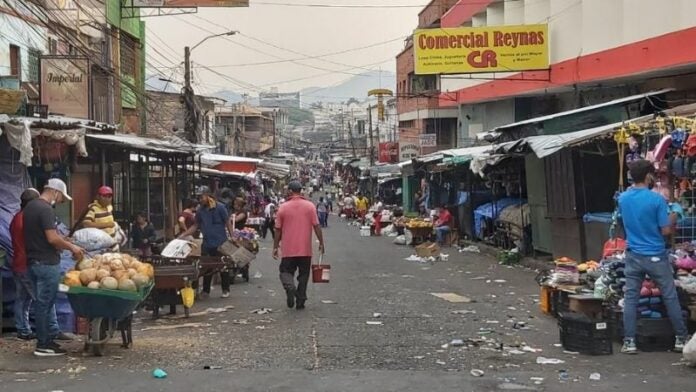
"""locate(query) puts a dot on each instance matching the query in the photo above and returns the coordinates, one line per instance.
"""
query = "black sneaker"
(300, 304)
(291, 298)
(64, 337)
(29, 336)
(53, 350)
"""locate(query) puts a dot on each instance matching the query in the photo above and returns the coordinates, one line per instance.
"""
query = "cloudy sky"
(271, 34)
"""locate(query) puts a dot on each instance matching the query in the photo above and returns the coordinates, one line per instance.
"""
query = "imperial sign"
(65, 85)
(481, 49)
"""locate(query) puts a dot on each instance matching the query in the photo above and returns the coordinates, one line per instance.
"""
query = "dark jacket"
(139, 235)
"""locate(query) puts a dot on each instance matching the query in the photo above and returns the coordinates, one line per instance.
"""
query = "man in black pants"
(212, 219)
(295, 220)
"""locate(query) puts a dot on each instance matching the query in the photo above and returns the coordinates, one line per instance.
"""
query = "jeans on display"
(440, 233)
(45, 279)
(659, 269)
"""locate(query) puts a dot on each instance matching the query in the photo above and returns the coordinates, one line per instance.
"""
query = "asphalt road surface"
(375, 327)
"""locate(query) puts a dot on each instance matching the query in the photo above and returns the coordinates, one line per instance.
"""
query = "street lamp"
(191, 125)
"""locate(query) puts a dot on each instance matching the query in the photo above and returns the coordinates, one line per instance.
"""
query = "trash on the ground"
(445, 345)
(452, 297)
(416, 258)
(464, 311)
(508, 386)
(485, 331)
(419, 357)
(570, 352)
(240, 322)
(376, 315)
(531, 349)
(519, 325)
(407, 276)
(262, 311)
(374, 323)
(328, 302)
(479, 278)
(537, 380)
(439, 362)
(471, 248)
(260, 327)
(595, 376)
(515, 352)
(457, 343)
(492, 322)
(77, 370)
(549, 361)
(500, 281)
(177, 326)
(477, 372)
(159, 373)
(444, 257)
(212, 367)
(258, 275)
(563, 376)
(201, 313)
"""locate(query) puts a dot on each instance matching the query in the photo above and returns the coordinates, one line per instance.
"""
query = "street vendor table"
(420, 234)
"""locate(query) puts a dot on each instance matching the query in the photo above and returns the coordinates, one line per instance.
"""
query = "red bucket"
(321, 273)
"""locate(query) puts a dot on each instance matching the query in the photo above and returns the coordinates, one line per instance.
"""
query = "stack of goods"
(246, 238)
(650, 302)
(418, 224)
(611, 282)
(565, 273)
(111, 271)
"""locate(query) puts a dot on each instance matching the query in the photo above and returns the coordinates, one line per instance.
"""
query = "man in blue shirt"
(646, 219)
(213, 220)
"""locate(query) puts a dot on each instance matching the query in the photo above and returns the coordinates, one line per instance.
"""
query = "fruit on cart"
(126, 284)
(94, 285)
(72, 278)
(88, 275)
(140, 280)
(109, 283)
(85, 264)
(102, 273)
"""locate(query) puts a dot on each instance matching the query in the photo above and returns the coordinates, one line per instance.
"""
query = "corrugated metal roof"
(144, 143)
(228, 158)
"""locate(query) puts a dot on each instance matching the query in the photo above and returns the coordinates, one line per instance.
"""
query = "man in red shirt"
(19, 269)
(443, 225)
(295, 220)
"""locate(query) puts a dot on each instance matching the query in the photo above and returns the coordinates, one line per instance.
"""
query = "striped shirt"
(98, 214)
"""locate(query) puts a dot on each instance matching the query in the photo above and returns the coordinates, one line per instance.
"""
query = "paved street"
(331, 346)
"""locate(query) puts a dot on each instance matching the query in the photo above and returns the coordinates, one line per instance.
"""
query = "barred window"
(33, 56)
(128, 45)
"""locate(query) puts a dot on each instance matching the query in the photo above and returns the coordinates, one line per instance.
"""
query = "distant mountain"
(355, 87)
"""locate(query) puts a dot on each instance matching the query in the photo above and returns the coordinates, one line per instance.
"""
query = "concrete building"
(248, 132)
(418, 108)
(275, 99)
(599, 51)
(167, 114)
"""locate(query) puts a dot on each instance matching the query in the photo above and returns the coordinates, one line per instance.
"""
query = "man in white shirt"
(269, 214)
(349, 206)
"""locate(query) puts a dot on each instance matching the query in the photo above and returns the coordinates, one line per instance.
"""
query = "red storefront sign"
(389, 152)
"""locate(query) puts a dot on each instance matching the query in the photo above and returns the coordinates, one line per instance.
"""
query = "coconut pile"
(112, 271)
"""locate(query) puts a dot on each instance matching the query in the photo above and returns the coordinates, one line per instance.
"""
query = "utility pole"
(190, 123)
(352, 140)
(369, 130)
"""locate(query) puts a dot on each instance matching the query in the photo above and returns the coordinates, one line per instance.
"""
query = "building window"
(15, 61)
(128, 45)
(33, 57)
(423, 83)
(52, 46)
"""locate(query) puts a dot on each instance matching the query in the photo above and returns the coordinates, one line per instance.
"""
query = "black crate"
(654, 327)
(615, 317)
(584, 335)
(655, 343)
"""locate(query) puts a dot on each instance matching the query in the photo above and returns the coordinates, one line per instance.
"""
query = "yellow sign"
(481, 49)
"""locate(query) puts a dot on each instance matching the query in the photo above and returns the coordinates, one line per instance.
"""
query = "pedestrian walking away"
(269, 213)
(295, 221)
(646, 219)
(212, 219)
(323, 212)
(43, 244)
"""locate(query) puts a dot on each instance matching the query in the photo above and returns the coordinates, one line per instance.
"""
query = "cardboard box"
(586, 304)
(427, 249)
(196, 247)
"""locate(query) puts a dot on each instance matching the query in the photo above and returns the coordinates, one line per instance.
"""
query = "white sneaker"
(225, 294)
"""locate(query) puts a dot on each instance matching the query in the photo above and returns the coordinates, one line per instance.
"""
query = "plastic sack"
(93, 239)
(408, 235)
(400, 240)
(177, 249)
(120, 236)
(690, 351)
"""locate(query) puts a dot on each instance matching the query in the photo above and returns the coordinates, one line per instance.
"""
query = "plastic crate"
(581, 334)
(655, 343)
(654, 327)
(615, 317)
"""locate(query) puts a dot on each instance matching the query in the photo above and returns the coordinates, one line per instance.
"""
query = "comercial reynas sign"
(408, 151)
(65, 85)
(464, 50)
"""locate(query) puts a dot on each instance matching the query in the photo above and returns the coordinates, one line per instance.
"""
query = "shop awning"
(219, 158)
(144, 143)
(495, 132)
(546, 145)
(388, 169)
(275, 170)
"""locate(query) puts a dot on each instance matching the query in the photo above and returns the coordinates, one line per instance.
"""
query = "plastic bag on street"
(409, 236)
(93, 239)
(690, 351)
(400, 240)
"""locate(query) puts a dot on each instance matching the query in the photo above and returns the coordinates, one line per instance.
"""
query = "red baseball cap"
(105, 191)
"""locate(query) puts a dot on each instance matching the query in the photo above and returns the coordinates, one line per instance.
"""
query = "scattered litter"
(457, 343)
(262, 311)
(374, 323)
(439, 362)
(452, 297)
(444, 257)
(445, 346)
(492, 322)
(519, 325)
(531, 349)
(571, 352)
(500, 281)
(508, 386)
(260, 327)
(22, 380)
(563, 376)
(485, 331)
(557, 345)
(595, 376)
(407, 276)
(201, 313)
(537, 380)
(419, 357)
(416, 258)
(511, 307)
(464, 311)
(328, 302)
(258, 275)
(515, 352)
(479, 278)
(549, 361)
(470, 248)
(214, 367)
(240, 322)
(77, 370)
(159, 373)
(376, 315)
(477, 372)
(178, 326)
